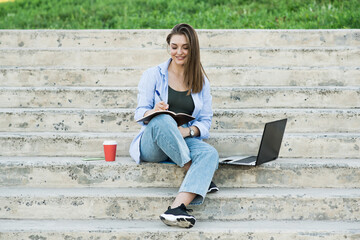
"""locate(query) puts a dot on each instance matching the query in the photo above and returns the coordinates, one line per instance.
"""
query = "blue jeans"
(162, 140)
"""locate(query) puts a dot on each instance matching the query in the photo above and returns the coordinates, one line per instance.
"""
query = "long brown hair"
(194, 71)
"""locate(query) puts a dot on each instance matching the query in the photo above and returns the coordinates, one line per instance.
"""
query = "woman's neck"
(176, 69)
(176, 77)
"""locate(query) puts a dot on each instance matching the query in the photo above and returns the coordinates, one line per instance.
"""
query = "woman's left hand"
(184, 131)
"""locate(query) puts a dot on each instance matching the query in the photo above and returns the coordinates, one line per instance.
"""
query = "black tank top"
(179, 102)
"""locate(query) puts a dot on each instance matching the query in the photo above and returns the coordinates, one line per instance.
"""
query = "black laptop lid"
(271, 141)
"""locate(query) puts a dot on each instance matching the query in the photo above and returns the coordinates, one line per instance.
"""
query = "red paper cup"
(110, 150)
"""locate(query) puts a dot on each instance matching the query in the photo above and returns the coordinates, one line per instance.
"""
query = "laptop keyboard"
(248, 159)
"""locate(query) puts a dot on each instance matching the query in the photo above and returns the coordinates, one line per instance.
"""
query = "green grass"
(164, 14)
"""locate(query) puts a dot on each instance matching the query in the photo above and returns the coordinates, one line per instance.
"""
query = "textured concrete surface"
(223, 97)
(231, 57)
(148, 203)
(287, 97)
(73, 172)
(233, 230)
(83, 97)
(310, 145)
(224, 120)
(67, 120)
(329, 145)
(218, 76)
(155, 38)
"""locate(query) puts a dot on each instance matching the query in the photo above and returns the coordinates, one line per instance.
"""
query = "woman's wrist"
(149, 112)
(193, 131)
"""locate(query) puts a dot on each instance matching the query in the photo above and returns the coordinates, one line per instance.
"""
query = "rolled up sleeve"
(203, 120)
(145, 97)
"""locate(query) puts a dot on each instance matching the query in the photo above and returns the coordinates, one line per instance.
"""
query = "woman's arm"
(146, 95)
(185, 132)
(203, 121)
(160, 106)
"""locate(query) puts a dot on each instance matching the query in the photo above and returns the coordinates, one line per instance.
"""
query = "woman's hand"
(185, 132)
(160, 106)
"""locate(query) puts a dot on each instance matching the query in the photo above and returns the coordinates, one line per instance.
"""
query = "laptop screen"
(271, 141)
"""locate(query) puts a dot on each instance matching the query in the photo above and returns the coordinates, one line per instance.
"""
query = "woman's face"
(179, 48)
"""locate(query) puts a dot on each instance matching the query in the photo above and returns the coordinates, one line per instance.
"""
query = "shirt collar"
(164, 67)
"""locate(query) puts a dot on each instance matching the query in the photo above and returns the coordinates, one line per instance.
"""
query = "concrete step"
(211, 57)
(67, 120)
(219, 76)
(223, 97)
(311, 145)
(231, 230)
(81, 97)
(286, 97)
(302, 145)
(148, 203)
(228, 120)
(156, 38)
(67, 172)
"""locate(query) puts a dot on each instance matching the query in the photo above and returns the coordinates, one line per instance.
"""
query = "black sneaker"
(178, 217)
(213, 188)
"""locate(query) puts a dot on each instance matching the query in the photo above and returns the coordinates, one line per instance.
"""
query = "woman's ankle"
(183, 198)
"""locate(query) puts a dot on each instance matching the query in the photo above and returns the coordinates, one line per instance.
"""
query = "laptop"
(269, 147)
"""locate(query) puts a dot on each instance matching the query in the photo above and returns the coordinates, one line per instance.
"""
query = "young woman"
(183, 87)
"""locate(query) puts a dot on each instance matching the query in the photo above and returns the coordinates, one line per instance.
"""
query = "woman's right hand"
(160, 106)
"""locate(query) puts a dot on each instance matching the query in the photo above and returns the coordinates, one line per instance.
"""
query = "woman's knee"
(162, 120)
(213, 156)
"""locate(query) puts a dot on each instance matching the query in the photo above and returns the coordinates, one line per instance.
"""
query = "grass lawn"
(164, 14)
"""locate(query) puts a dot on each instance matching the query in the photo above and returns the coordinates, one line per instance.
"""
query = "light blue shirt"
(156, 78)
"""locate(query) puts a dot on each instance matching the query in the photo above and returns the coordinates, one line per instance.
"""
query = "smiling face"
(179, 49)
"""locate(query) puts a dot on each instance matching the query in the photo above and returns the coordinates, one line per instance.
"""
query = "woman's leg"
(195, 184)
(162, 140)
(204, 162)
(184, 197)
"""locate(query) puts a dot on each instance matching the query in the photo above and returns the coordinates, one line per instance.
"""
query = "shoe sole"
(178, 221)
(212, 190)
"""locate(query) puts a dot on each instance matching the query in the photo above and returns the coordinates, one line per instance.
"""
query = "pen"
(157, 93)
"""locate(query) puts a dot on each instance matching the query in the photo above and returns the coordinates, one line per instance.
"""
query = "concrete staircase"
(62, 93)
